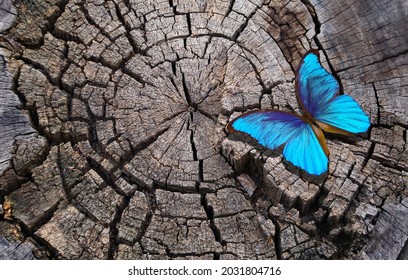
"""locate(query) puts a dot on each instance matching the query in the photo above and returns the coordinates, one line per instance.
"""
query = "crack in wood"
(191, 104)
(113, 227)
(34, 120)
(230, 8)
(45, 218)
(120, 16)
(185, 46)
(67, 191)
(238, 32)
(91, 21)
(277, 237)
(368, 156)
(378, 105)
(210, 217)
(188, 18)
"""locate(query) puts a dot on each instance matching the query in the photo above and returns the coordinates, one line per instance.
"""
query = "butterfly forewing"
(272, 128)
(315, 86)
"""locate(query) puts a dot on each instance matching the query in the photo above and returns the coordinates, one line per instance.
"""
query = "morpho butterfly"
(318, 94)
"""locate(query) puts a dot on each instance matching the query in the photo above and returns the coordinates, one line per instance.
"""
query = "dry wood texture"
(113, 140)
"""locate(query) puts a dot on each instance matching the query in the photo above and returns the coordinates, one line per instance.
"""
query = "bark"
(114, 145)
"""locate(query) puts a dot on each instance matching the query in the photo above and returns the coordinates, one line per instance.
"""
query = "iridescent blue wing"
(306, 151)
(318, 94)
(343, 112)
(304, 146)
(315, 86)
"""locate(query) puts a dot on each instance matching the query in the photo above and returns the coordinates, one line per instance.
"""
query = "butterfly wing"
(272, 128)
(305, 151)
(315, 86)
(343, 112)
(318, 94)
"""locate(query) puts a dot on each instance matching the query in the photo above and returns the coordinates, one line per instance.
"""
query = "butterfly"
(324, 109)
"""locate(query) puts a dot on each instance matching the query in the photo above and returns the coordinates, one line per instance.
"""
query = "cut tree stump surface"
(113, 139)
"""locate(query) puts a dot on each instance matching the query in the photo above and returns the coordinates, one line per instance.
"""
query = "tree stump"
(114, 144)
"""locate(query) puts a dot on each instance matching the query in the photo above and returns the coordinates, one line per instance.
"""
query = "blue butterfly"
(324, 108)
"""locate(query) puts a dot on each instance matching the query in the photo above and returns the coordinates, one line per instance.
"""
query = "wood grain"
(114, 145)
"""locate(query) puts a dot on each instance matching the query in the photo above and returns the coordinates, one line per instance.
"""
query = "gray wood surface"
(113, 137)
(7, 14)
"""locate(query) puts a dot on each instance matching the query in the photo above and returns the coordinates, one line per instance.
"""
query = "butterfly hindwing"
(344, 112)
(305, 151)
(273, 128)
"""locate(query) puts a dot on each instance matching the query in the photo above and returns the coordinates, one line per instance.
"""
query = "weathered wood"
(16, 250)
(74, 236)
(7, 14)
(389, 237)
(14, 246)
(114, 145)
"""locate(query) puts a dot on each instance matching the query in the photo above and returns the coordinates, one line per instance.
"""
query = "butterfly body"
(324, 109)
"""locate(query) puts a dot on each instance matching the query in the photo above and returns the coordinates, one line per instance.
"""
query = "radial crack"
(113, 227)
(210, 217)
(378, 105)
(242, 27)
